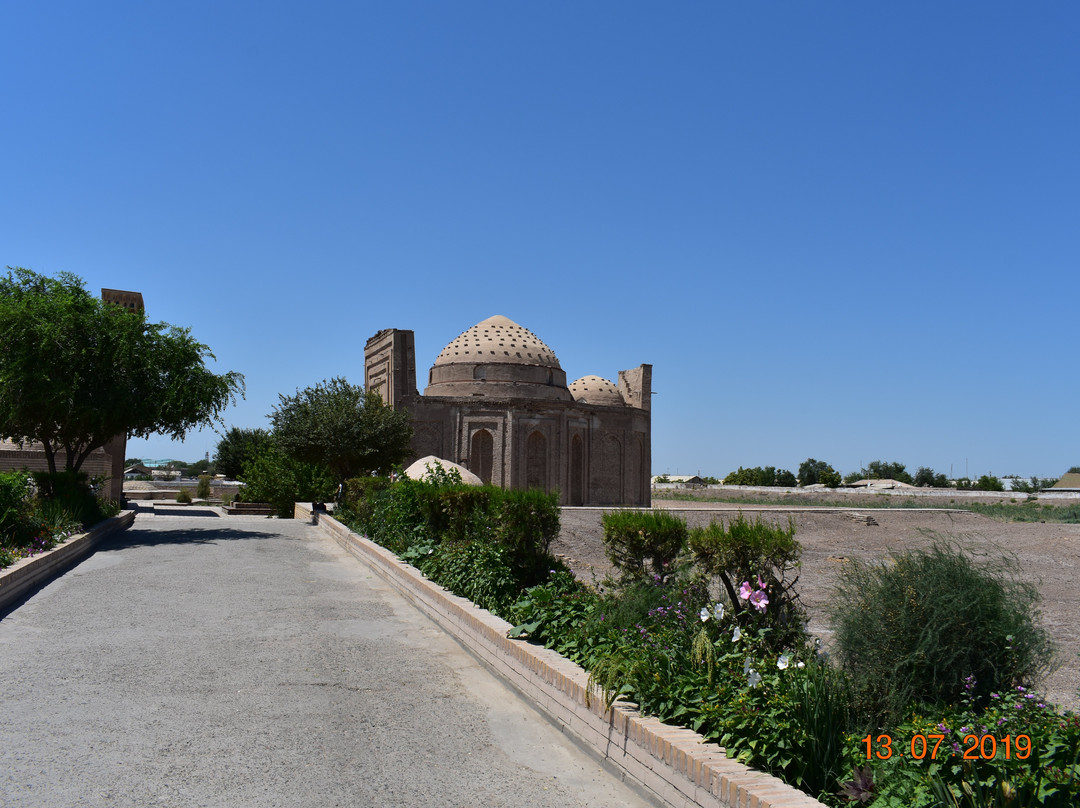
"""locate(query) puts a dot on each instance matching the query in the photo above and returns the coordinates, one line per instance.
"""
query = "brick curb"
(672, 763)
(24, 575)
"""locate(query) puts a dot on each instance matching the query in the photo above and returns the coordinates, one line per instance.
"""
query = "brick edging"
(674, 764)
(27, 573)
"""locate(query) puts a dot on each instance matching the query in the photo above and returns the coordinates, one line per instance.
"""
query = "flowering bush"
(1016, 751)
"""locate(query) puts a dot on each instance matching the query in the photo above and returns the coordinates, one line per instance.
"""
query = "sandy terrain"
(1050, 553)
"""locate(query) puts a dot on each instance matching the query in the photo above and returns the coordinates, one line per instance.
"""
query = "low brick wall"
(674, 764)
(24, 575)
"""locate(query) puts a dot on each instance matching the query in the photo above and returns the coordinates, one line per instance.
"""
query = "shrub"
(281, 481)
(16, 507)
(479, 571)
(183, 496)
(911, 632)
(632, 538)
(202, 490)
(989, 482)
(526, 523)
(752, 557)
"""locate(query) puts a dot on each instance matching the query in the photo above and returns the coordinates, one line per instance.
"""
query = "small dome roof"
(498, 340)
(595, 390)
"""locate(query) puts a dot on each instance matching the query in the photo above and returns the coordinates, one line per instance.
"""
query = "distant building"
(1069, 481)
(497, 403)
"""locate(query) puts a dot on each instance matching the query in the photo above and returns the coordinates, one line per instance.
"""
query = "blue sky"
(846, 231)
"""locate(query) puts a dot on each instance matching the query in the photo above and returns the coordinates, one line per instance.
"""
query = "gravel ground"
(251, 662)
(1049, 553)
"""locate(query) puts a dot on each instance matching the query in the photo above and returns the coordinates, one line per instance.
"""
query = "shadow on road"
(136, 537)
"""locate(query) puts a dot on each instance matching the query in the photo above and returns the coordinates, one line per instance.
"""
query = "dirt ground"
(1049, 553)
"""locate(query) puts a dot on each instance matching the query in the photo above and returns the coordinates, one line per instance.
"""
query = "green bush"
(634, 538)
(274, 478)
(476, 570)
(183, 496)
(910, 632)
(74, 491)
(16, 507)
(752, 557)
(988, 482)
(526, 523)
(202, 490)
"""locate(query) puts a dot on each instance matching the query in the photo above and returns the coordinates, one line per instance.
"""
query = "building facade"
(497, 402)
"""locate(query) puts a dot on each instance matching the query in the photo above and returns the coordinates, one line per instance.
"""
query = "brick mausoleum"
(497, 402)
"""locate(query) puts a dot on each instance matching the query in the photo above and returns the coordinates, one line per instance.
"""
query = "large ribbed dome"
(498, 339)
(596, 390)
(498, 358)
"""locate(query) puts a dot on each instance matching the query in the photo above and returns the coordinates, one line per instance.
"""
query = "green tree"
(344, 426)
(988, 482)
(237, 447)
(76, 371)
(926, 478)
(813, 472)
(271, 476)
(880, 470)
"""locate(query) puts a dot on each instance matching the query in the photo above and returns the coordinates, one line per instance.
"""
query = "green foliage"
(989, 482)
(881, 470)
(663, 478)
(1029, 511)
(632, 538)
(37, 511)
(1048, 776)
(482, 572)
(767, 476)
(440, 514)
(183, 496)
(1073, 470)
(350, 431)
(237, 447)
(1032, 486)
(279, 480)
(16, 508)
(202, 490)
(75, 371)
(926, 478)
(911, 631)
(757, 555)
(815, 472)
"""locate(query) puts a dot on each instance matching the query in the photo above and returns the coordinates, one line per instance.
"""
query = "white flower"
(801, 665)
(783, 661)
(746, 666)
(736, 634)
(718, 610)
(755, 678)
(704, 614)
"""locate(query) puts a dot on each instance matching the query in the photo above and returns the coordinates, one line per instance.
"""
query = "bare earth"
(1049, 553)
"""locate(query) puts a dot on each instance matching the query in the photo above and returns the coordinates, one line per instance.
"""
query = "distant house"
(679, 480)
(1069, 481)
(136, 471)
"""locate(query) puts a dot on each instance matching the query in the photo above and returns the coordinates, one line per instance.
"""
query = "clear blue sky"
(841, 230)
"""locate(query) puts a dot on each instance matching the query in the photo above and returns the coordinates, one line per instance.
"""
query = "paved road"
(251, 662)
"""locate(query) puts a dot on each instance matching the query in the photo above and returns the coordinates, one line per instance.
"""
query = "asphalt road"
(251, 662)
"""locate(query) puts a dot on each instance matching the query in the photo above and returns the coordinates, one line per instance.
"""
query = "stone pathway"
(200, 661)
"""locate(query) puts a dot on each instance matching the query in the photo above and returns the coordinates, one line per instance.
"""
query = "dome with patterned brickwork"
(498, 358)
(595, 390)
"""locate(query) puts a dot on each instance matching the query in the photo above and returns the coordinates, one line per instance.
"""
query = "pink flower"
(745, 590)
(759, 600)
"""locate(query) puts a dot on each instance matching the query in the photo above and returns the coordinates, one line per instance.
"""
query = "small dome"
(500, 340)
(595, 390)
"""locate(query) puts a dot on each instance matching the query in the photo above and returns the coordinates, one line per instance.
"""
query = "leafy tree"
(1073, 470)
(786, 479)
(76, 371)
(880, 470)
(925, 477)
(271, 476)
(237, 447)
(344, 426)
(813, 472)
(988, 482)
